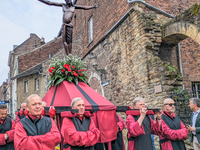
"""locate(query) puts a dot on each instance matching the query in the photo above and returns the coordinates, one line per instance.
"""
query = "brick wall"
(28, 45)
(38, 55)
(190, 58)
(169, 53)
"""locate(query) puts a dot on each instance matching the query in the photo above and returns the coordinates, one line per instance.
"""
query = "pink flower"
(73, 66)
(80, 74)
(83, 69)
(63, 70)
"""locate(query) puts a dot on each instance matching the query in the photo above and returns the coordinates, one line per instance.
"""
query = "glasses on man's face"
(170, 104)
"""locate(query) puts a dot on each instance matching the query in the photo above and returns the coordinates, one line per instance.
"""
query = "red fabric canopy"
(105, 119)
(67, 91)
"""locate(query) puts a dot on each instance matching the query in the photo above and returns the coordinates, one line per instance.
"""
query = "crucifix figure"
(67, 27)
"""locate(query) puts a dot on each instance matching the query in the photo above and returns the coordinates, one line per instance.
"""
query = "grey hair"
(23, 103)
(43, 102)
(137, 99)
(164, 102)
(75, 100)
(32, 95)
(195, 101)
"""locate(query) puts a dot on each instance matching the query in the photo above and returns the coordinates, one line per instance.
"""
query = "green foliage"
(173, 69)
(182, 93)
(195, 9)
(70, 68)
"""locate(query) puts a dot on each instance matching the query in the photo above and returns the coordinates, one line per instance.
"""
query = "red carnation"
(63, 70)
(69, 70)
(83, 69)
(73, 66)
(74, 73)
(51, 69)
(79, 70)
(80, 74)
(67, 66)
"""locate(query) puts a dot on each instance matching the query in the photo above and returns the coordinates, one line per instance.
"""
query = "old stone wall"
(22, 95)
(130, 57)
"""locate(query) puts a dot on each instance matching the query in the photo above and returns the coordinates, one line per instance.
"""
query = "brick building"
(3, 91)
(32, 42)
(30, 78)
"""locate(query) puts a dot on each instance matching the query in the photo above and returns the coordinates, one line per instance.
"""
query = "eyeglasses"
(170, 104)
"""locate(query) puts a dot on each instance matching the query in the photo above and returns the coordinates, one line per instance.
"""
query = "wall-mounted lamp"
(93, 60)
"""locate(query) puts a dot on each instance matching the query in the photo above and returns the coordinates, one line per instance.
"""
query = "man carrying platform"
(140, 127)
(173, 130)
(118, 143)
(7, 126)
(78, 130)
(36, 131)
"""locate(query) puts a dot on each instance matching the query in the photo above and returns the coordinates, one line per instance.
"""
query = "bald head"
(169, 105)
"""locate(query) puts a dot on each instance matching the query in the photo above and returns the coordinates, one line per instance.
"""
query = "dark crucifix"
(67, 27)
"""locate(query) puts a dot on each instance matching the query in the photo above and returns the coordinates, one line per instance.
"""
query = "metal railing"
(181, 98)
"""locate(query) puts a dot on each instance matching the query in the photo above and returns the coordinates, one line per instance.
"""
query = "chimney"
(42, 41)
(14, 46)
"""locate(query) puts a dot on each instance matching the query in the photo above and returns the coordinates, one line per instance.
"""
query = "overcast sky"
(19, 18)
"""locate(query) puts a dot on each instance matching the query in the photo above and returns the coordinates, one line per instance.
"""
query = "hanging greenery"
(69, 69)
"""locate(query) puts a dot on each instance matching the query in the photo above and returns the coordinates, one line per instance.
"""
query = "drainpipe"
(169, 15)
(180, 62)
(46, 78)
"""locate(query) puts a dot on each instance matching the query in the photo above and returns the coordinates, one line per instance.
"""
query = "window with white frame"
(36, 84)
(196, 89)
(90, 30)
(26, 86)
